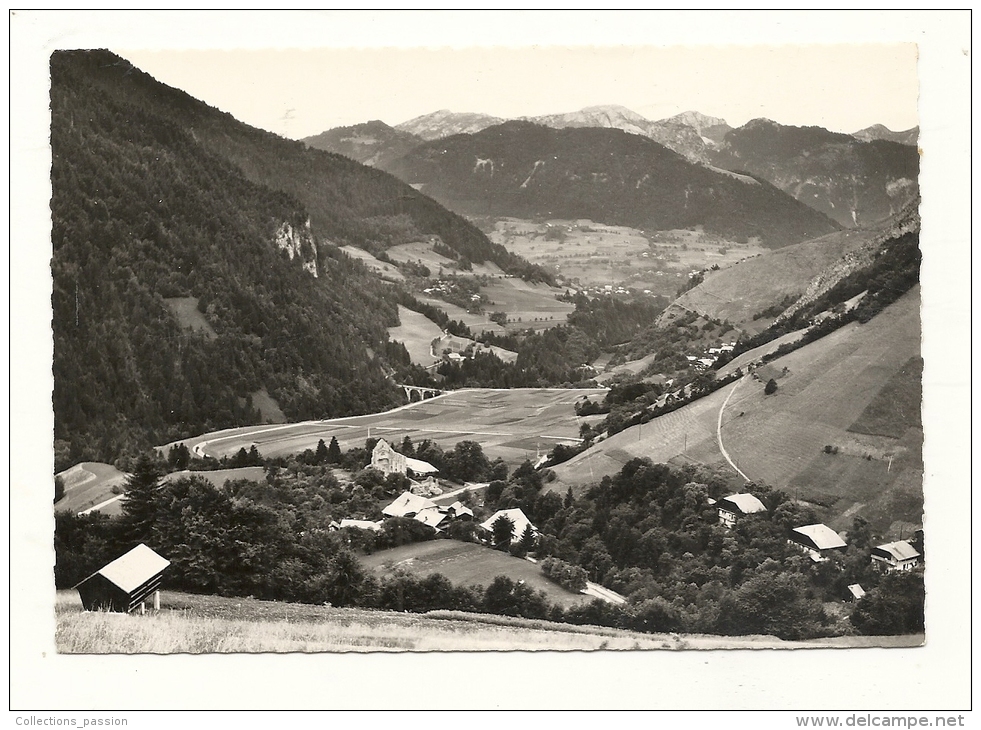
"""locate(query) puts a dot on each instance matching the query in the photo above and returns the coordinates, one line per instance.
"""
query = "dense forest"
(158, 198)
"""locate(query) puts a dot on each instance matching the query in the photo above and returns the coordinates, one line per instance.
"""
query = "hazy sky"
(297, 93)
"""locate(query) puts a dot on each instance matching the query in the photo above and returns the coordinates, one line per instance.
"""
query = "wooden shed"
(125, 583)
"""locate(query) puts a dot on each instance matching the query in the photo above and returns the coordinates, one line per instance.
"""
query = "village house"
(407, 504)
(361, 525)
(734, 506)
(460, 511)
(521, 522)
(899, 555)
(817, 541)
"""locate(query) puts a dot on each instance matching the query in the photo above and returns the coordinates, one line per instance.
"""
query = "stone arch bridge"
(416, 393)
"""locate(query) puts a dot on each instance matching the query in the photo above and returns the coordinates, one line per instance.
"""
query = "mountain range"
(526, 170)
(855, 179)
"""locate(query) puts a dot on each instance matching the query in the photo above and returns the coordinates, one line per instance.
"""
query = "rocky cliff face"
(298, 243)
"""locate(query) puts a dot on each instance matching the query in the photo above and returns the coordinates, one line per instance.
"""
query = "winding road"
(718, 429)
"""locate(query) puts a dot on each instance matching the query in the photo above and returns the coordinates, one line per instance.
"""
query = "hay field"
(828, 387)
(469, 564)
(780, 439)
(477, 322)
(738, 292)
(385, 270)
(422, 252)
(416, 332)
(687, 433)
(631, 367)
(511, 424)
(534, 304)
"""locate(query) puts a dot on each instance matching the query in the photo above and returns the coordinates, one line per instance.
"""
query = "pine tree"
(322, 455)
(333, 451)
(140, 502)
(527, 542)
(407, 448)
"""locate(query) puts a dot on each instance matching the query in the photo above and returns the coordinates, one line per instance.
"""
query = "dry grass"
(319, 629)
(188, 624)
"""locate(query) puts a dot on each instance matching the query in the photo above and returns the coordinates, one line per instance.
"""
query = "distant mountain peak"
(697, 120)
(881, 131)
(444, 123)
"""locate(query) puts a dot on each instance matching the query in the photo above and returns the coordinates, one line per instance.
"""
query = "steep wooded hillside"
(193, 266)
(857, 183)
(526, 170)
(143, 215)
(372, 143)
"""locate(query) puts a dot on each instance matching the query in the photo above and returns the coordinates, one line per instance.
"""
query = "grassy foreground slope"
(821, 400)
(193, 624)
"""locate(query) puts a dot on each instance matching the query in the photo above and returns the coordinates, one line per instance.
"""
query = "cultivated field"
(828, 387)
(416, 332)
(469, 564)
(741, 361)
(527, 305)
(385, 270)
(631, 367)
(688, 433)
(780, 439)
(422, 253)
(476, 321)
(511, 424)
(208, 624)
(594, 254)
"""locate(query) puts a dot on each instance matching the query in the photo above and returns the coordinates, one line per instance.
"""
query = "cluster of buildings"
(415, 502)
(818, 541)
(709, 357)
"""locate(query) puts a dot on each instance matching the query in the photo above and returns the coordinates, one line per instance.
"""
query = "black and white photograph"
(496, 351)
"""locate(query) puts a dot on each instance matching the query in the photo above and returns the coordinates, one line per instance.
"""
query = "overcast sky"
(297, 93)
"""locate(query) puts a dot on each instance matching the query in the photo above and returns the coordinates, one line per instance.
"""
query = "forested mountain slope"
(526, 170)
(855, 182)
(158, 199)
